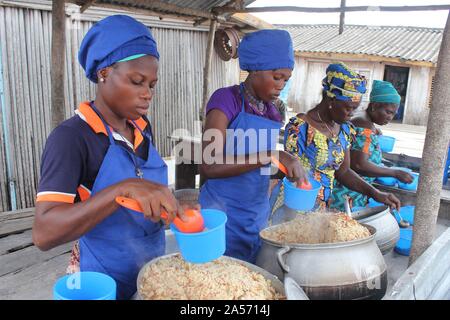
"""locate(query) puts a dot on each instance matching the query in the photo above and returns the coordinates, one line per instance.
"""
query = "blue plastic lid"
(403, 245)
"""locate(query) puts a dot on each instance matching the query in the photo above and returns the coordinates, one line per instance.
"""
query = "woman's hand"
(153, 198)
(296, 173)
(387, 198)
(403, 176)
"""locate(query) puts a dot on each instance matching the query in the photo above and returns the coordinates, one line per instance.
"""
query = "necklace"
(333, 135)
(258, 105)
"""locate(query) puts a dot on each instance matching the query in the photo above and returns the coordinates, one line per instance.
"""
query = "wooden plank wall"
(25, 34)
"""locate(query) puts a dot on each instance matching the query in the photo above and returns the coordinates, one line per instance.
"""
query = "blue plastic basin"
(410, 186)
(207, 245)
(386, 143)
(387, 181)
(85, 285)
(300, 199)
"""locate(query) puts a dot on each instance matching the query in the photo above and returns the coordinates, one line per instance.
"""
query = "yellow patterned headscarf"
(343, 83)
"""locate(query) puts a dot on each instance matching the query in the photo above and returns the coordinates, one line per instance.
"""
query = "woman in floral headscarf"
(321, 138)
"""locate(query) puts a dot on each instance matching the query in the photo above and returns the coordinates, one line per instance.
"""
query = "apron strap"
(110, 136)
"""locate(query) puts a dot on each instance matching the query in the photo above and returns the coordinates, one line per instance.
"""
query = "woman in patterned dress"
(321, 138)
(365, 151)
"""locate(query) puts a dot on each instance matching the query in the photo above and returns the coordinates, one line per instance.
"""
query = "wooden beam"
(342, 17)
(434, 154)
(58, 61)
(362, 57)
(251, 20)
(86, 5)
(207, 68)
(222, 10)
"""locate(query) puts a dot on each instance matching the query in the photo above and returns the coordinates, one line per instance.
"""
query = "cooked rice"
(223, 279)
(318, 227)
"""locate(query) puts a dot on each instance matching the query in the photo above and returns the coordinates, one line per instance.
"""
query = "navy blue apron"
(123, 242)
(243, 198)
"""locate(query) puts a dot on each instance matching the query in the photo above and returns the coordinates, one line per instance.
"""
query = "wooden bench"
(25, 271)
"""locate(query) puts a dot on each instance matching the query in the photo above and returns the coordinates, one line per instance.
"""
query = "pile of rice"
(318, 227)
(223, 279)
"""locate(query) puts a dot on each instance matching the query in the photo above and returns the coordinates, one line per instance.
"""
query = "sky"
(429, 19)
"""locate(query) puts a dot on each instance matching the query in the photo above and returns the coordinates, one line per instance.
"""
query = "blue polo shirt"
(74, 153)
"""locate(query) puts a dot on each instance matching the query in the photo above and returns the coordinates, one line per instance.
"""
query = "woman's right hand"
(296, 173)
(403, 176)
(153, 198)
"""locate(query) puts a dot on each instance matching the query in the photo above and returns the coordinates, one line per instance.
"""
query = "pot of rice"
(170, 277)
(330, 255)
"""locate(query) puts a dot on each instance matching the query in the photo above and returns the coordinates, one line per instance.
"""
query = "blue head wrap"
(343, 83)
(384, 92)
(113, 39)
(266, 50)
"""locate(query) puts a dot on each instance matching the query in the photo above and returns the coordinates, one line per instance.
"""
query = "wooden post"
(342, 17)
(58, 59)
(434, 154)
(207, 68)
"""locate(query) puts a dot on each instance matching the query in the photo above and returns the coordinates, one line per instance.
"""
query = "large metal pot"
(343, 270)
(276, 283)
(388, 231)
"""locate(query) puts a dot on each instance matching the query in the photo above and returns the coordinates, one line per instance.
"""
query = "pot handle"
(280, 258)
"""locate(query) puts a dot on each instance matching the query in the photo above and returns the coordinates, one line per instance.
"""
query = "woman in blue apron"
(105, 151)
(243, 126)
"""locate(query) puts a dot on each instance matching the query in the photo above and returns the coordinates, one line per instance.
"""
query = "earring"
(329, 107)
(102, 79)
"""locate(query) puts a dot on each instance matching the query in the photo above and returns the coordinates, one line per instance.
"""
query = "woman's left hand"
(387, 198)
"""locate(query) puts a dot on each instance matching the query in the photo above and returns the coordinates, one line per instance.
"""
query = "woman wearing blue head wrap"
(365, 151)
(246, 124)
(103, 152)
(321, 138)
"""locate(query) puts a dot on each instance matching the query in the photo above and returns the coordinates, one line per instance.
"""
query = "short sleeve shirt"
(74, 153)
(229, 101)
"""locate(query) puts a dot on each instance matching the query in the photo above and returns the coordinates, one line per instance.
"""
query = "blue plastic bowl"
(85, 285)
(410, 186)
(387, 181)
(207, 245)
(403, 245)
(386, 143)
(372, 203)
(407, 213)
(300, 199)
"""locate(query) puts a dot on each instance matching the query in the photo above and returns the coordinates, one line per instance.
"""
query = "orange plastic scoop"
(304, 185)
(194, 224)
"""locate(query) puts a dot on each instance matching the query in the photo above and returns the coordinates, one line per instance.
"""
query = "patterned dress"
(366, 141)
(319, 155)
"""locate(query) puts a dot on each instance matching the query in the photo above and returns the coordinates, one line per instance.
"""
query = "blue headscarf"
(113, 39)
(266, 50)
(343, 83)
(384, 92)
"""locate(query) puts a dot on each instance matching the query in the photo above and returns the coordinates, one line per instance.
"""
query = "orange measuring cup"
(304, 185)
(194, 224)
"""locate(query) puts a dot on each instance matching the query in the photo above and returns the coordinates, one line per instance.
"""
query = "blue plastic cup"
(386, 143)
(300, 199)
(207, 245)
(85, 285)
(410, 186)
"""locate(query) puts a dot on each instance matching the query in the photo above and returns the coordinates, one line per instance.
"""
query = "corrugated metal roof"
(198, 5)
(408, 43)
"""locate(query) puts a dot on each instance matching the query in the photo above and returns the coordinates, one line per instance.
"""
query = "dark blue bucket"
(300, 199)
(207, 245)
(85, 285)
